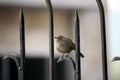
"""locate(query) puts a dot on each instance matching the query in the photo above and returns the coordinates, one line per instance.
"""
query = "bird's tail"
(81, 55)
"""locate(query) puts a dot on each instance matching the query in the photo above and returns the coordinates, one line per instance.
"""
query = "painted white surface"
(114, 27)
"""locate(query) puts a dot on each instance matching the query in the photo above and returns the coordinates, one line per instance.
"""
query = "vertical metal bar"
(77, 46)
(22, 45)
(51, 41)
(103, 39)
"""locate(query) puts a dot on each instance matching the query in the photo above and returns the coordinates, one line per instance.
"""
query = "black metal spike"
(22, 45)
(77, 46)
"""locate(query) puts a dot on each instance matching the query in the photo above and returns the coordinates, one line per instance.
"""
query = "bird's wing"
(70, 44)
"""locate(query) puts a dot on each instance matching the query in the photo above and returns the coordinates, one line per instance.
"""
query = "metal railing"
(77, 63)
(20, 63)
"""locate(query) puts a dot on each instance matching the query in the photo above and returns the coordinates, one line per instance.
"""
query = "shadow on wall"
(36, 69)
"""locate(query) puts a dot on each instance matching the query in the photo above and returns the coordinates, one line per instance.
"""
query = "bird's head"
(60, 37)
(116, 59)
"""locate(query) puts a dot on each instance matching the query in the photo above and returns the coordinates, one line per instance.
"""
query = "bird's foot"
(60, 59)
(66, 55)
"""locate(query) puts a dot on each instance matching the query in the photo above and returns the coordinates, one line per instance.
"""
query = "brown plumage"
(65, 45)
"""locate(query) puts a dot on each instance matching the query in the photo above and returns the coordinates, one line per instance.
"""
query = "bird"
(65, 45)
(117, 58)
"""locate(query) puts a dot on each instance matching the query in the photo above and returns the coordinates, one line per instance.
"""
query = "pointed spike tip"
(21, 17)
(76, 16)
(21, 12)
(76, 12)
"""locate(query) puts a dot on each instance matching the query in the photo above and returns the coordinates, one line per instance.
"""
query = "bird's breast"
(63, 47)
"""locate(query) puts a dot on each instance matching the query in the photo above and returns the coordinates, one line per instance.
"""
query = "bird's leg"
(66, 55)
(60, 58)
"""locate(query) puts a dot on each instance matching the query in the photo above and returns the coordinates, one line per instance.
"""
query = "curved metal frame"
(51, 41)
(103, 39)
(20, 63)
(78, 65)
(67, 58)
(14, 58)
(51, 45)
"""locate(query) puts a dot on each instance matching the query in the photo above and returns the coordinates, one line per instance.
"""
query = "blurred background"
(37, 35)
